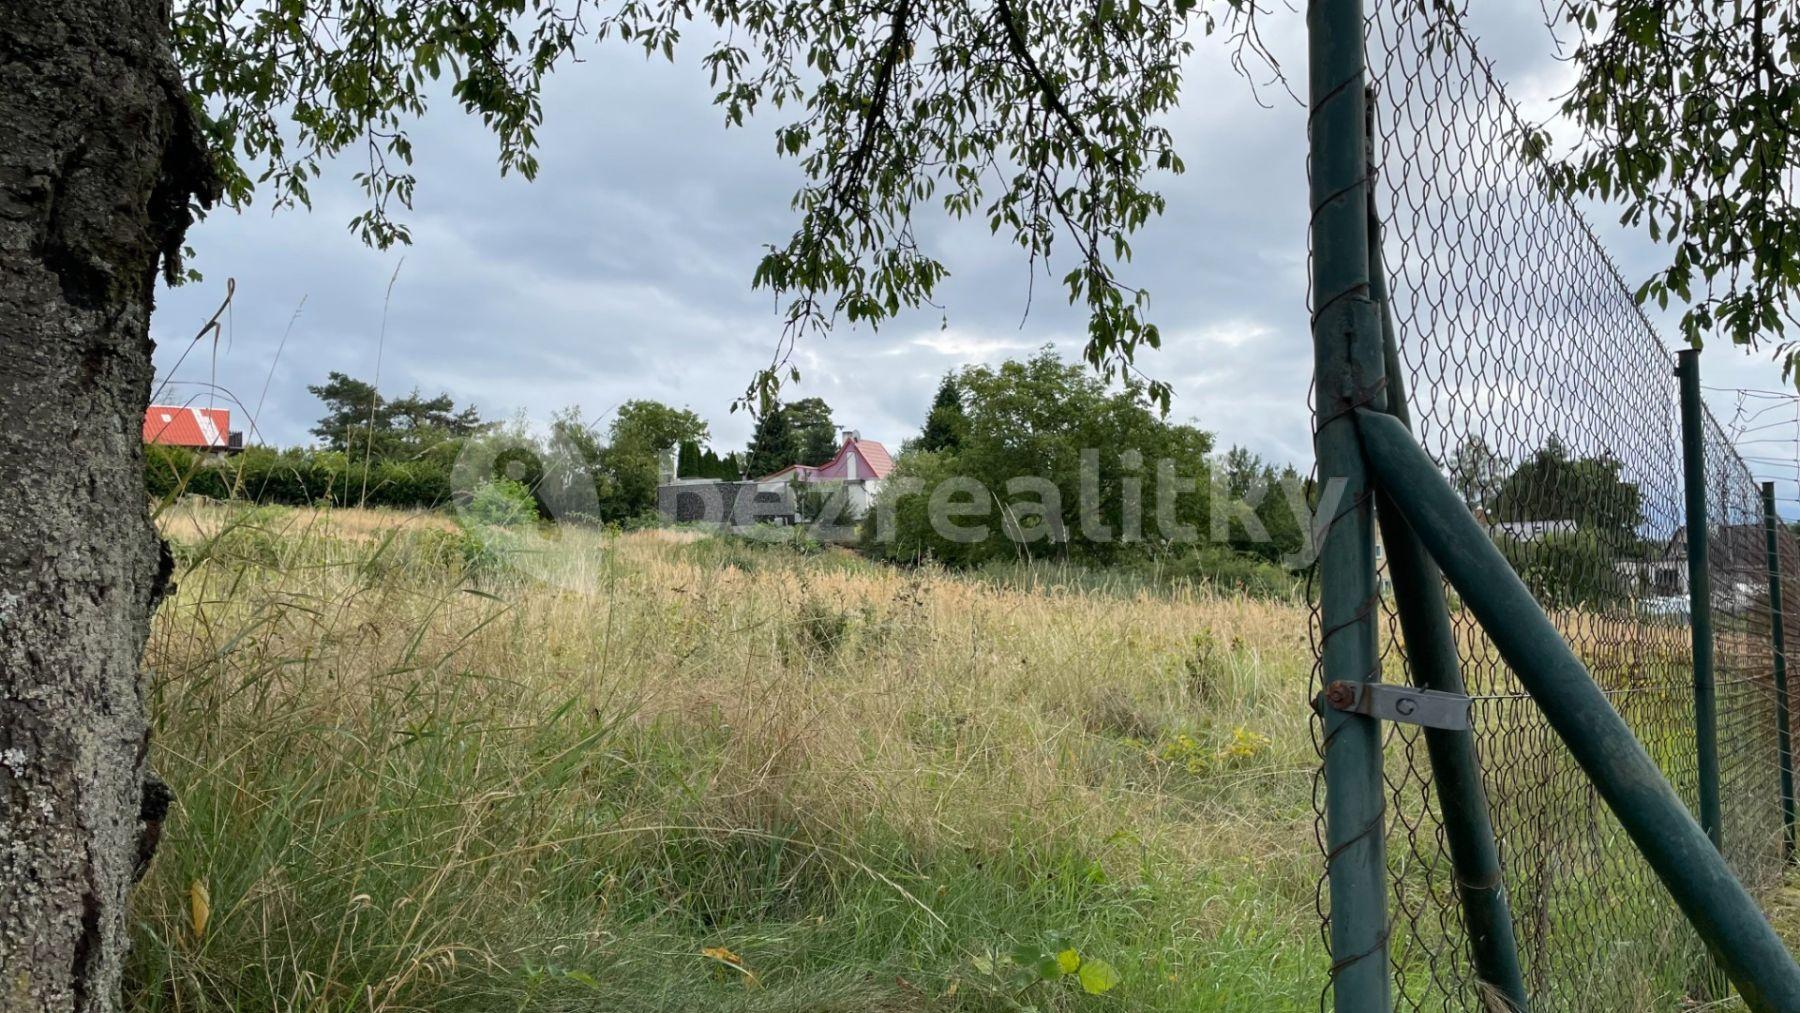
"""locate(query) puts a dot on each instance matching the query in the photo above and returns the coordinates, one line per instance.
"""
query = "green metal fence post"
(1706, 714)
(1778, 642)
(1658, 822)
(1347, 372)
(1431, 654)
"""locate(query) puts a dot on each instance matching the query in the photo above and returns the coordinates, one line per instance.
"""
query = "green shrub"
(1218, 567)
(501, 503)
(1227, 569)
(819, 630)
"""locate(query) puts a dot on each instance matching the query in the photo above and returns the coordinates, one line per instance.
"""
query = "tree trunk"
(99, 157)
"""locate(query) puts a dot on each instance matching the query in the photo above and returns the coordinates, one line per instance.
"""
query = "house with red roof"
(849, 481)
(207, 430)
(851, 477)
(858, 460)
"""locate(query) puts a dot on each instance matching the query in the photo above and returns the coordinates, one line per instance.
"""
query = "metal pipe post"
(1347, 373)
(1778, 642)
(1706, 708)
(1693, 871)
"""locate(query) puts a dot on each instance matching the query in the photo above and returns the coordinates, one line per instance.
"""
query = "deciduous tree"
(1690, 117)
(102, 160)
(1555, 485)
(652, 428)
(1043, 420)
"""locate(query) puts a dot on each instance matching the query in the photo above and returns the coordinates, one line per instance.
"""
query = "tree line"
(401, 451)
(1565, 520)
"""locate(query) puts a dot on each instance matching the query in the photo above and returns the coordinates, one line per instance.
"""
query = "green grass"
(410, 776)
(420, 768)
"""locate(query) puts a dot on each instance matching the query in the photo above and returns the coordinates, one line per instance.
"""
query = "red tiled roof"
(198, 428)
(876, 456)
(862, 459)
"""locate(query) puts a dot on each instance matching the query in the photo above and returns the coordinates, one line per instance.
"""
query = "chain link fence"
(1752, 831)
(1542, 391)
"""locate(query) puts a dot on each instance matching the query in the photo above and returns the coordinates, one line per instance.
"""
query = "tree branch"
(1015, 40)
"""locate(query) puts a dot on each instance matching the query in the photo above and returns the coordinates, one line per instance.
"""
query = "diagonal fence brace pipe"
(1692, 870)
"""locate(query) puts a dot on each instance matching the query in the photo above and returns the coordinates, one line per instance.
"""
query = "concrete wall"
(727, 503)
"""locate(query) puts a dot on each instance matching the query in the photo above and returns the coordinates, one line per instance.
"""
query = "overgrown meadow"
(424, 768)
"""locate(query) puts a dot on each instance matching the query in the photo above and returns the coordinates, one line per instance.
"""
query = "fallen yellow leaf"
(199, 907)
(733, 961)
(723, 954)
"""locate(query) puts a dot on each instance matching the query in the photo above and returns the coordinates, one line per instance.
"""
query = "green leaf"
(1028, 954)
(1098, 977)
(1067, 961)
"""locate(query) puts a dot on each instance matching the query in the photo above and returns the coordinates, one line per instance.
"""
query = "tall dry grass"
(644, 772)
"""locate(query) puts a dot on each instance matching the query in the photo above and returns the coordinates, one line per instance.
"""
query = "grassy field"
(423, 768)
(655, 771)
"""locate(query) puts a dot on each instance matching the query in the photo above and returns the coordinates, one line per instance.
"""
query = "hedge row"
(296, 478)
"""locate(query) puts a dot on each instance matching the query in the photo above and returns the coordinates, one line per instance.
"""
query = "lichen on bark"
(100, 165)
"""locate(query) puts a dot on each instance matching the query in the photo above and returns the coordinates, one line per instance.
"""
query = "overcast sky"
(624, 270)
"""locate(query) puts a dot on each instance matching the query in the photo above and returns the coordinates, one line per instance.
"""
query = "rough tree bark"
(100, 158)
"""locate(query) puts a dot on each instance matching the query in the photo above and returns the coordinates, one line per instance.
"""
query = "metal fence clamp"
(1427, 708)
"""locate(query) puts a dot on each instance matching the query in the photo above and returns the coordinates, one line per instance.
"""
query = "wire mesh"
(1537, 384)
(1743, 664)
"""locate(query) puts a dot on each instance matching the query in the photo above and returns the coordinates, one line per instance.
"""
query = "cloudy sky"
(624, 270)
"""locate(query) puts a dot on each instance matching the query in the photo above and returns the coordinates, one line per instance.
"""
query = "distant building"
(855, 472)
(858, 468)
(722, 503)
(1531, 531)
(207, 430)
(1663, 575)
(1736, 556)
